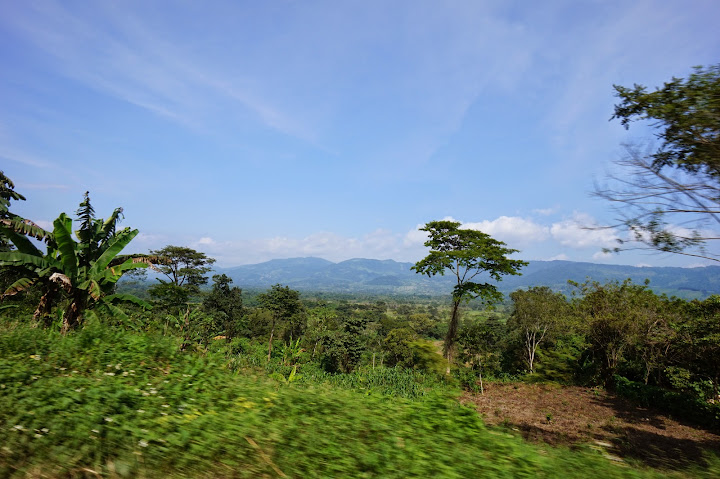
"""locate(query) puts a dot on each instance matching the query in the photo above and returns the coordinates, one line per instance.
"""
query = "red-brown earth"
(570, 415)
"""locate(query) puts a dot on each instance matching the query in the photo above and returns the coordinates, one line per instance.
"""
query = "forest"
(194, 377)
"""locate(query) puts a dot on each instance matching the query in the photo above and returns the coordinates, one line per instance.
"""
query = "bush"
(679, 404)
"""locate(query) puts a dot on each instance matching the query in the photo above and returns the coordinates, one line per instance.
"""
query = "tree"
(466, 254)
(7, 194)
(86, 270)
(343, 347)
(185, 270)
(285, 309)
(669, 199)
(225, 305)
(622, 319)
(537, 313)
(479, 344)
(183, 266)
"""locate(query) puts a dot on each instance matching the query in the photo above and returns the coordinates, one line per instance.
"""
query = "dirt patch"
(569, 415)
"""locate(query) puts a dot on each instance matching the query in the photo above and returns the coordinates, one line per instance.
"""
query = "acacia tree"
(183, 266)
(185, 270)
(467, 254)
(669, 199)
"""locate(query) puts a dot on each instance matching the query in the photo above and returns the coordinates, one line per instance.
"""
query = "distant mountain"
(372, 276)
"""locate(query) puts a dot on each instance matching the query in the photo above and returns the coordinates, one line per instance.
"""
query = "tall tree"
(668, 199)
(466, 253)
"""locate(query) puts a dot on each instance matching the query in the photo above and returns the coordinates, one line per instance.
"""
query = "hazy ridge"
(393, 277)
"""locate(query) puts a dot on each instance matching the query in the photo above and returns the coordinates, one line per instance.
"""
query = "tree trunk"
(272, 333)
(71, 319)
(449, 346)
(44, 308)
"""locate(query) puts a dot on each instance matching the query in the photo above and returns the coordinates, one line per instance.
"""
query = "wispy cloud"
(124, 55)
(42, 186)
(17, 156)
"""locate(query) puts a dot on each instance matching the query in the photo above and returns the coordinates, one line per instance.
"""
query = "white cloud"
(559, 257)
(378, 244)
(206, 241)
(511, 230)
(602, 256)
(582, 231)
(415, 237)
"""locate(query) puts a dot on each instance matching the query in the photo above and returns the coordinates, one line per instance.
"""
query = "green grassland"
(105, 402)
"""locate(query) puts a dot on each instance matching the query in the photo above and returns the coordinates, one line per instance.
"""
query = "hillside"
(396, 278)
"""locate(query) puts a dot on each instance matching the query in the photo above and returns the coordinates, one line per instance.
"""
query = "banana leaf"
(25, 227)
(19, 285)
(66, 245)
(16, 258)
(21, 242)
(121, 240)
(127, 298)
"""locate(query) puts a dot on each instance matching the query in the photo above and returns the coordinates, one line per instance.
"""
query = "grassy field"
(105, 402)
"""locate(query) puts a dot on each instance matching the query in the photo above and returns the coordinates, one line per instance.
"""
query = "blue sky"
(258, 130)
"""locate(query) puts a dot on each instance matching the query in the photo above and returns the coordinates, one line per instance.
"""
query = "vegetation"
(466, 253)
(209, 383)
(668, 198)
(83, 273)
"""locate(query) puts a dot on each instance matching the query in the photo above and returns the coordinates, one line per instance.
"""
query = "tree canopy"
(668, 196)
(183, 266)
(466, 253)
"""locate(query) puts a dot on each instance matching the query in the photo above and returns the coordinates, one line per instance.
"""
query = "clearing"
(570, 415)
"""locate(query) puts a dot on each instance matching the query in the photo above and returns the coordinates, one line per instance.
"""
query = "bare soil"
(570, 415)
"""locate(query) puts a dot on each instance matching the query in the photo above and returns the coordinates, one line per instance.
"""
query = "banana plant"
(85, 269)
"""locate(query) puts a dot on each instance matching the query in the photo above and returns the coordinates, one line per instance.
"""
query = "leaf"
(15, 258)
(66, 245)
(62, 280)
(22, 243)
(25, 227)
(128, 298)
(121, 240)
(19, 285)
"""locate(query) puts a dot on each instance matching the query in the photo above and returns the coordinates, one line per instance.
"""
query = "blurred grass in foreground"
(111, 403)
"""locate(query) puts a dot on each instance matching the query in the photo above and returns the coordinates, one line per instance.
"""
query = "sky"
(259, 130)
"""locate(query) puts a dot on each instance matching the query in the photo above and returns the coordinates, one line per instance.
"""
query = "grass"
(105, 402)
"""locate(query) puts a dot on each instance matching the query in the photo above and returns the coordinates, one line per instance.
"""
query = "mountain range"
(370, 276)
